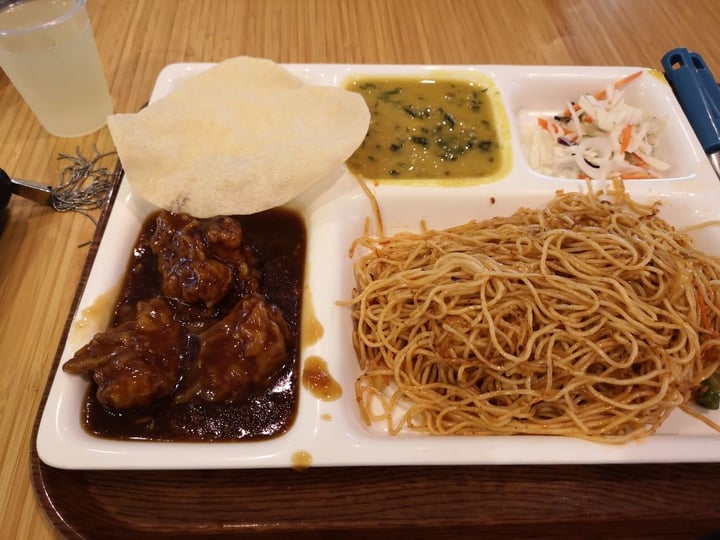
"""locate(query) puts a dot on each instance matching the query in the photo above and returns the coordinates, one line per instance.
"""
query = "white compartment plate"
(331, 432)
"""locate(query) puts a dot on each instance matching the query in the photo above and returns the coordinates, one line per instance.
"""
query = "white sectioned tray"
(332, 433)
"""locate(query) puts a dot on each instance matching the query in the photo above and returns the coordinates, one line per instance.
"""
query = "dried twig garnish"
(83, 185)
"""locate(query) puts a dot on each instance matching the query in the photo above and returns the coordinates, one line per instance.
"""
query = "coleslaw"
(598, 136)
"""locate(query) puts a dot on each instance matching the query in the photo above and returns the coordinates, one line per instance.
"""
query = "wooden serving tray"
(619, 501)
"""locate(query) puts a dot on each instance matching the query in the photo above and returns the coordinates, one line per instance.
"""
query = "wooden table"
(42, 253)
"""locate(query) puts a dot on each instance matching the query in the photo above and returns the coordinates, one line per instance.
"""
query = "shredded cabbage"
(599, 136)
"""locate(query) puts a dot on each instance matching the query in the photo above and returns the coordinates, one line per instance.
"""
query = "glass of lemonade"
(48, 52)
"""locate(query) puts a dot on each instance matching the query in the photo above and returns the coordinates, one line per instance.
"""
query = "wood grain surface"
(42, 253)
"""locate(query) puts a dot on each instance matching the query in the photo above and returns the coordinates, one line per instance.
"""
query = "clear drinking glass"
(48, 52)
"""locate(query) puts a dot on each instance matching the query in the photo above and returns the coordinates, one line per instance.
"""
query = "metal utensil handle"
(6, 189)
(26, 189)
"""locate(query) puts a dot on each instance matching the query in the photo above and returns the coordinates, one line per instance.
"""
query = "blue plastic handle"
(698, 94)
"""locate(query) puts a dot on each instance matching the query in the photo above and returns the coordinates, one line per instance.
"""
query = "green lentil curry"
(426, 128)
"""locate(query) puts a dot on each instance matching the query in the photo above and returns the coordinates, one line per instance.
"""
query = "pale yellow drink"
(48, 51)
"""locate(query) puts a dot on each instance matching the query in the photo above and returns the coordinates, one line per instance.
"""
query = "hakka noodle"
(590, 318)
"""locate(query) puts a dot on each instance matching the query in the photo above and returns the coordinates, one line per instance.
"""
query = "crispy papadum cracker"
(242, 137)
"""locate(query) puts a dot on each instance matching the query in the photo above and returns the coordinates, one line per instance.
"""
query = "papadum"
(242, 137)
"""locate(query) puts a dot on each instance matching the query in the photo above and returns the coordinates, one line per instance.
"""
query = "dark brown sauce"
(96, 315)
(301, 460)
(316, 378)
(279, 239)
(312, 328)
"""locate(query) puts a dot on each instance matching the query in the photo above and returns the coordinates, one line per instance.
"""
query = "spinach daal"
(426, 129)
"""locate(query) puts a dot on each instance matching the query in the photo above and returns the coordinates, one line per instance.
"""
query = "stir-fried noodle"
(591, 318)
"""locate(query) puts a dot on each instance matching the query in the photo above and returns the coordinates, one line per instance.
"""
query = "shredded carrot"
(627, 80)
(636, 160)
(602, 94)
(567, 112)
(640, 175)
(703, 310)
(555, 129)
(625, 137)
